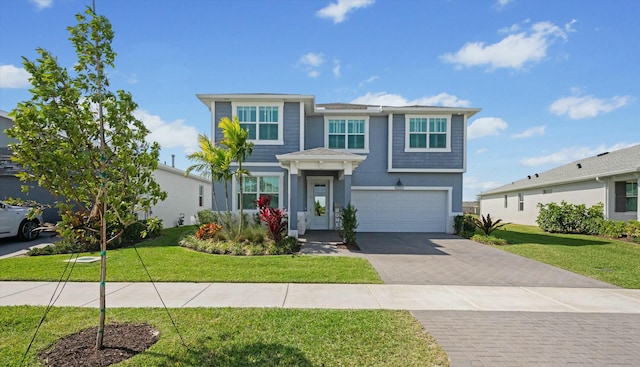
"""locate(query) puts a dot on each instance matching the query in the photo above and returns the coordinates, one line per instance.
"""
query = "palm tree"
(223, 171)
(236, 140)
(208, 163)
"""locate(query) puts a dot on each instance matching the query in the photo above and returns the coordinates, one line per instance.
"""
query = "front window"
(427, 133)
(256, 186)
(347, 133)
(201, 196)
(632, 196)
(263, 121)
(626, 196)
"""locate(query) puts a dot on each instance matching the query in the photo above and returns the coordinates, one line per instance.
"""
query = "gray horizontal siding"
(429, 160)
(267, 153)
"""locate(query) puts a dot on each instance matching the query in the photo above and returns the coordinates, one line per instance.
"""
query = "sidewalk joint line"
(551, 299)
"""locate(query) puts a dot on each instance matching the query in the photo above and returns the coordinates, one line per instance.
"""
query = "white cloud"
(571, 154)
(472, 186)
(481, 151)
(580, 107)
(502, 3)
(311, 62)
(338, 11)
(169, 134)
(336, 68)
(41, 4)
(13, 77)
(370, 79)
(486, 126)
(389, 99)
(534, 131)
(515, 51)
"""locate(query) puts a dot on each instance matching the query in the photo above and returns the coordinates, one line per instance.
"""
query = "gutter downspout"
(606, 197)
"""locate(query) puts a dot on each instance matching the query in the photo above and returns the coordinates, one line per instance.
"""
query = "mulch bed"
(121, 341)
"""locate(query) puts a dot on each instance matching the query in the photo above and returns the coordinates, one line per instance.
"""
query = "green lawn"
(240, 337)
(168, 262)
(609, 260)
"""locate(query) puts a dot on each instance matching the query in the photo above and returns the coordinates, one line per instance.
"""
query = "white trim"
(256, 164)
(302, 123)
(346, 134)
(407, 134)
(464, 135)
(212, 108)
(390, 142)
(425, 170)
(257, 140)
(234, 189)
(406, 188)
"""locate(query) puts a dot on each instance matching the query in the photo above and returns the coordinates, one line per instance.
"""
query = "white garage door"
(400, 210)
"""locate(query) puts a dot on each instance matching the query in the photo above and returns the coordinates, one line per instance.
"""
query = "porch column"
(293, 202)
(347, 190)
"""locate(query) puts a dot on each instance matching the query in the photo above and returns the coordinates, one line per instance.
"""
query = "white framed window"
(347, 133)
(427, 133)
(264, 121)
(520, 202)
(626, 196)
(201, 196)
(506, 201)
(256, 185)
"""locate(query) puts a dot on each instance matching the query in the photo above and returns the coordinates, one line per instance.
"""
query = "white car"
(14, 222)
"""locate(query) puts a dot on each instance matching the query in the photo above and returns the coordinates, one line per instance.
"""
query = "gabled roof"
(619, 162)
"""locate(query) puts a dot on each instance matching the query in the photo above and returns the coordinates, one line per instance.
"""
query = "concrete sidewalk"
(330, 296)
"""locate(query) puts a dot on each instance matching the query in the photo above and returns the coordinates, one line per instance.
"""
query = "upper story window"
(626, 196)
(264, 121)
(427, 133)
(347, 133)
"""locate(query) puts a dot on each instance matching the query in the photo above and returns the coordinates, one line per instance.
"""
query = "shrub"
(487, 225)
(349, 225)
(570, 218)
(207, 216)
(274, 218)
(633, 229)
(489, 240)
(612, 228)
(208, 231)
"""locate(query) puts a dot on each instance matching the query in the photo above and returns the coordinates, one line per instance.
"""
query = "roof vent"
(601, 154)
(537, 175)
(579, 165)
(529, 177)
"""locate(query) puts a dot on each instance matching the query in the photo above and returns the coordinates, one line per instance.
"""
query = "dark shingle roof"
(602, 165)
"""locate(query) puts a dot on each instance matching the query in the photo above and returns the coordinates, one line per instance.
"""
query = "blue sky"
(556, 80)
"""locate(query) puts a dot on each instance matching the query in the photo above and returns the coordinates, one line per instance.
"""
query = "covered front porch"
(319, 185)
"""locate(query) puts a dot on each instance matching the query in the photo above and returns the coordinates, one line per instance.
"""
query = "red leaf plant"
(208, 231)
(274, 218)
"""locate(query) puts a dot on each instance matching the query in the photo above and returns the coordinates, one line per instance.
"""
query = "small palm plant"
(487, 225)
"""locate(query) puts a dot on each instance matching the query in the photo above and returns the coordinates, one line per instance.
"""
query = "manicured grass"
(609, 260)
(168, 262)
(240, 337)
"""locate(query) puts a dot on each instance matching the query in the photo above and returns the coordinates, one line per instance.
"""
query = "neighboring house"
(10, 185)
(186, 196)
(471, 207)
(401, 167)
(610, 178)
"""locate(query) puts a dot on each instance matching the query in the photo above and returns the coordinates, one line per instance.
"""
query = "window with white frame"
(506, 202)
(626, 196)
(263, 121)
(520, 202)
(201, 196)
(427, 133)
(255, 186)
(347, 133)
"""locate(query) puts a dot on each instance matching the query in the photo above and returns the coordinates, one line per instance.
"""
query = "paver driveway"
(502, 338)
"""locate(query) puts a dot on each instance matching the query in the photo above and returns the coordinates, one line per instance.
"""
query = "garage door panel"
(400, 211)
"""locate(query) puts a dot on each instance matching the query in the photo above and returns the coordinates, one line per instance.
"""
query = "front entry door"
(319, 206)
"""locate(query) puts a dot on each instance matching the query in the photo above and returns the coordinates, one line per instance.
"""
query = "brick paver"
(535, 338)
(419, 258)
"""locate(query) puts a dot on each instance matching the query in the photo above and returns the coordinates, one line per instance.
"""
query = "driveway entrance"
(442, 259)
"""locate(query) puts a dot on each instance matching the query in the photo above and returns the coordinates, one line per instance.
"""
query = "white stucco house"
(610, 178)
(186, 196)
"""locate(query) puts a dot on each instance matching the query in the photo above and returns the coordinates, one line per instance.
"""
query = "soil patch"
(121, 341)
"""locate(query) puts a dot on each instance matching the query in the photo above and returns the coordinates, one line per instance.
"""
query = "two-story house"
(401, 167)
